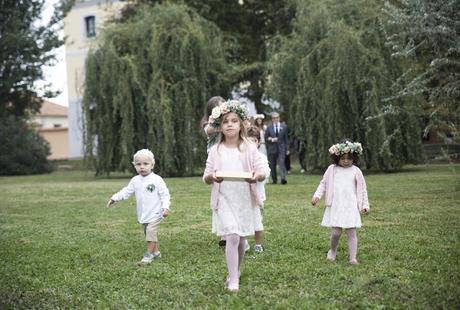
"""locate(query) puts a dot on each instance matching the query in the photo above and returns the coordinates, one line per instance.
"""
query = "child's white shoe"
(234, 288)
(353, 261)
(149, 257)
(330, 257)
(258, 248)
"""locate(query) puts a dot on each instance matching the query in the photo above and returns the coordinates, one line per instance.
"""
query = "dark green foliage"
(426, 34)
(146, 87)
(331, 75)
(25, 47)
(247, 27)
(22, 150)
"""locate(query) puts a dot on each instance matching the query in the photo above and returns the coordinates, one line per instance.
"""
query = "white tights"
(234, 252)
(352, 241)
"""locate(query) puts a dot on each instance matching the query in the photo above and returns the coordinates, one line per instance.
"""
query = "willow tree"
(332, 75)
(146, 87)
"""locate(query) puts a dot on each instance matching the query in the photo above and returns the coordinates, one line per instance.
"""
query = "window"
(90, 23)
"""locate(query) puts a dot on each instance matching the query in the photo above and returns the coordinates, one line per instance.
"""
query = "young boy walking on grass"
(152, 199)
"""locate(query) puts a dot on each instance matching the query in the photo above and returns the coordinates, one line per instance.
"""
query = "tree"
(25, 47)
(332, 74)
(146, 86)
(24, 151)
(427, 35)
(247, 26)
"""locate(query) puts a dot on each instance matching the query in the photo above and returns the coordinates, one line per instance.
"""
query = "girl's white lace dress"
(344, 209)
(235, 213)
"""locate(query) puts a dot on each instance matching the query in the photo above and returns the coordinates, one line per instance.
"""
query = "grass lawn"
(61, 248)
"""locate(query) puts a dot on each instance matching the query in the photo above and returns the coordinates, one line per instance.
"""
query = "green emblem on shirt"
(151, 188)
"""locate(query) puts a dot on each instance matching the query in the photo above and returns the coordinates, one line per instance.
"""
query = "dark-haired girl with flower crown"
(235, 203)
(346, 196)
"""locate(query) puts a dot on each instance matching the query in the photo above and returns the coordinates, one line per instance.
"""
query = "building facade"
(52, 124)
(82, 27)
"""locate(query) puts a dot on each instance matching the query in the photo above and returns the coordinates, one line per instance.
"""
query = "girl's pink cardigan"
(251, 160)
(327, 183)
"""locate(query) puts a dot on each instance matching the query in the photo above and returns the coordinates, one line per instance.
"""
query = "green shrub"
(22, 150)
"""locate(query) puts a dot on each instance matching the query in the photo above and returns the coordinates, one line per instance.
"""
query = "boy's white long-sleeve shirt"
(152, 196)
(261, 185)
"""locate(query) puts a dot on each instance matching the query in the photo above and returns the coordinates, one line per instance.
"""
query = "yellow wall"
(77, 44)
(58, 140)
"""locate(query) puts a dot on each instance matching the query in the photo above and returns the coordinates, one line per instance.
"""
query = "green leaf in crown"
(151, 188)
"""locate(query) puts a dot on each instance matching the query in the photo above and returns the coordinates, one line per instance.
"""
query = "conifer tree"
(146, 86)
(331, 76)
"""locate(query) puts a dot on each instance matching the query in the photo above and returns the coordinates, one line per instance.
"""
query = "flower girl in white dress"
(235, 202)
(346, 196)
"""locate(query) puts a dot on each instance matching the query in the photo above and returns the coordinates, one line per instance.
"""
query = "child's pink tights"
(352, 242)
(234, 252)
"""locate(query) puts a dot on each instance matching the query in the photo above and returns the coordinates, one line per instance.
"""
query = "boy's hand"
(314, 201)
(165, 212)
(365, 210)
(110, 203)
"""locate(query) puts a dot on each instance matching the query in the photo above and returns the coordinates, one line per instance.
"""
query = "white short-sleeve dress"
(343, 211)
(235, 213)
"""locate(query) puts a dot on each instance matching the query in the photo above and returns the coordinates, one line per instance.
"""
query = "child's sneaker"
(258, 248)
(330, 256)
(149, 257)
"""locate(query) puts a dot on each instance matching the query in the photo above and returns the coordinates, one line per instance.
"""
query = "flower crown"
(226, 107)
(346, 147)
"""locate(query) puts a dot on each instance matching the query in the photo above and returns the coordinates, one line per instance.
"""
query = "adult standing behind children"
(261, 127)
(276, 139)
(152, 200)
(234, 203)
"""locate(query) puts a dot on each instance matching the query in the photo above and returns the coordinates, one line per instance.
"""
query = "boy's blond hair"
(144, 153)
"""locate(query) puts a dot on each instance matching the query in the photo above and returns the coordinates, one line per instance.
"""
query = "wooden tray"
(233, 175)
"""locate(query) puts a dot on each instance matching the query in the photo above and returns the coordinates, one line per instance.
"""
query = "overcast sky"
(57, 74)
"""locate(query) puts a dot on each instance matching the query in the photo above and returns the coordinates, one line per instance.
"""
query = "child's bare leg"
(335, 237)
(352, 245)
(152, 247)
(258, 237)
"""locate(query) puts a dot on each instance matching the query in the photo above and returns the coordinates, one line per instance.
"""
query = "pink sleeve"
(361, 184)
(322, 185)
(210, 163)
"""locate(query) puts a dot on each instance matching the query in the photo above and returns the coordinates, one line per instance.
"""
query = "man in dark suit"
(276, 140)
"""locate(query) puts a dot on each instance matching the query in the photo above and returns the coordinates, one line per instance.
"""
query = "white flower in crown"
(347, 147)
(216, 112)
(224, 108)
(229, 106)
(333, 150)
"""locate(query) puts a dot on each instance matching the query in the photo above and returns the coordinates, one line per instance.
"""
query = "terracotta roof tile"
(52, 109)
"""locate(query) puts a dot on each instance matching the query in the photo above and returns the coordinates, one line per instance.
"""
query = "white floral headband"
(346, 147)
(226, 107)
(261, 116)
